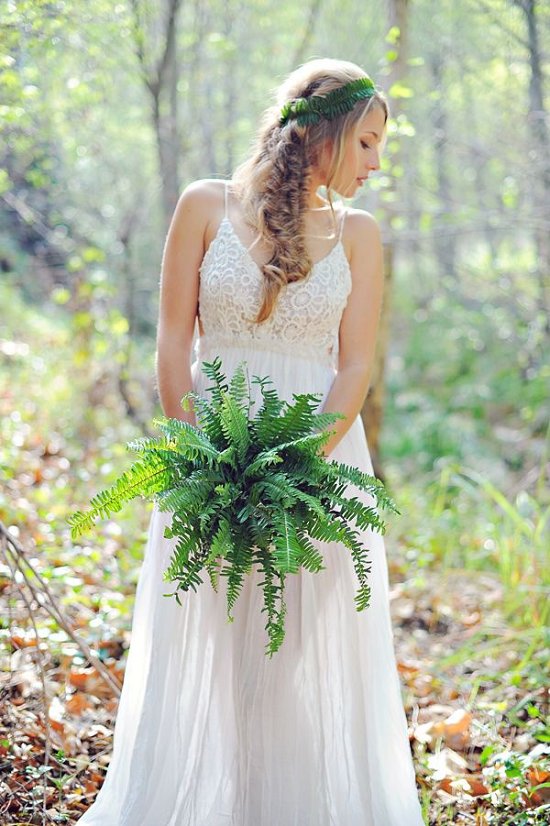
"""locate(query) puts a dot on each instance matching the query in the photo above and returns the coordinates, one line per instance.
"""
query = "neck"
(313, 200)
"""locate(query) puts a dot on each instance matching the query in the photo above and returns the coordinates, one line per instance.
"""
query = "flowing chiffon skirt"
(212, 732)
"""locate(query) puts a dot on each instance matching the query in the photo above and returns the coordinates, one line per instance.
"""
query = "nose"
(374, 161)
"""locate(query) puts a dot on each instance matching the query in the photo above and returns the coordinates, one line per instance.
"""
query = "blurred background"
(107, 111)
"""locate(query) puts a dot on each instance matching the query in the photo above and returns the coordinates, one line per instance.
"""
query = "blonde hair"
(272, 184)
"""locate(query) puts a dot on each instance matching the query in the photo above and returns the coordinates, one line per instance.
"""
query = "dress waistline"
(209, 342)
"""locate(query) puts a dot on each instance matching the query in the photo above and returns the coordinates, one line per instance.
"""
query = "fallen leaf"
(22, 642)
(537, 776)
(78, 703)
(446, 763)
(455, 729)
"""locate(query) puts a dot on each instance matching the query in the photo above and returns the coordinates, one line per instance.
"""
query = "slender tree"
(540, 142)
(160, 76)
(373, 409)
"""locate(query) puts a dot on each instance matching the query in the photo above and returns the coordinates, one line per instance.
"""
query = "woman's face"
(362, 153)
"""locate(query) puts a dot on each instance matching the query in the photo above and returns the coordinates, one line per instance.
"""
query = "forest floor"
(475, 711)
(474, 678)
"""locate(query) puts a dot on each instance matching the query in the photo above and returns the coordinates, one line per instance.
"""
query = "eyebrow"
(370, 132)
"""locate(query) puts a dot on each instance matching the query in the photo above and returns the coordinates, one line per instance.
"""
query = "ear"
(324, 154)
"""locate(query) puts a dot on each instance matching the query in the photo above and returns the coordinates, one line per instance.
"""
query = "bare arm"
(179, 290)
(358, 327)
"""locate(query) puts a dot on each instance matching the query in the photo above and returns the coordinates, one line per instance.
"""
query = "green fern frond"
(213, 571)
(295, 421)
(327, 530)
(276, 489)
(191, 442)
(213, 370)
(142, 478)
(224, 494)
(184, 563)
(365, 481)
(362, 567)
(310, 110)
(324, 420)
(208, 421)
(364, 516)
(286, 544)
(234, 424)
(271, 405)
(310, 557)
(263, 460)
(307, 445)
(188, 574)
(313, 504)
(235, 582)
(146, 444)
(306, 470)
(191, 497)
(239, 388)
(221, 544)
(273, 593)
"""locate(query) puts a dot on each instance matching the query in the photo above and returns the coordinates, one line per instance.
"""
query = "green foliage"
(248, 491)
(151, 475)
(310, 110)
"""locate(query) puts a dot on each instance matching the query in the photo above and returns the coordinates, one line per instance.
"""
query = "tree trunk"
(305, 43)
(444, 239)
(161, 81)
(540, 167)
(373, 409)
(231, 98)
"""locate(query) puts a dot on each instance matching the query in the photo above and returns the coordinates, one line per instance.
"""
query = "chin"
(346, 191)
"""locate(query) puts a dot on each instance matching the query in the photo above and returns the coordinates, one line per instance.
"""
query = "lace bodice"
(306, 318)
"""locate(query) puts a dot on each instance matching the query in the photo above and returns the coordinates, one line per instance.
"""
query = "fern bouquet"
(248, 490)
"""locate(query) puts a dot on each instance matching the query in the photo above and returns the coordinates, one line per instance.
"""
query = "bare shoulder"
(363, 243)
(199, 209)
(361, 227)
(203, 196)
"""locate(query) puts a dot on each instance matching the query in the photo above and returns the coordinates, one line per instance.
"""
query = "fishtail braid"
(273, 183)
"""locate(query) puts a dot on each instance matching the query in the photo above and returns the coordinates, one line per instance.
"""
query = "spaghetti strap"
(225, 189)
(342, 225)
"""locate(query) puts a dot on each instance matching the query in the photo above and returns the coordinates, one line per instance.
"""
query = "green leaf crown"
(310, 110)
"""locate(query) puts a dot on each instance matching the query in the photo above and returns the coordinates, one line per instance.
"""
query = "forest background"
(107, 111)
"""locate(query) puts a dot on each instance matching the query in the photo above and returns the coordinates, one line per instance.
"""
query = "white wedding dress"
(212, 732)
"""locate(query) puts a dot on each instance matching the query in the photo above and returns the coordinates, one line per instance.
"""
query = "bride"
(210, 731)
